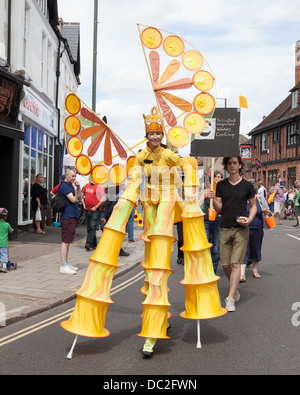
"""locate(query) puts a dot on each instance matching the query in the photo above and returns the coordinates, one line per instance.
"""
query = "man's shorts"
(68, 227)
(278, 207)
(3, 254)
(233, 245)
(297, 211)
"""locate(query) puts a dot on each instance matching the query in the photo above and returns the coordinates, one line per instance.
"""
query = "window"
(291, 177)
(264, 142)
(291, 135)
(43, 6)
(3, 31)
(272, 177)
(25, 36)
(38, 152)
(276, 136)
(294, 99)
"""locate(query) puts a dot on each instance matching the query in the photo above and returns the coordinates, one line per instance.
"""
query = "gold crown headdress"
(154, 122)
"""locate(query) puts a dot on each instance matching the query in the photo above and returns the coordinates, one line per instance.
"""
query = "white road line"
(34, 328)
(293, 236)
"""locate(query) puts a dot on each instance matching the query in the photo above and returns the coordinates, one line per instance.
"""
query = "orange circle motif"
(75, 147)
(72, 125)
(192, 60)
(174, 46)
(203, 80)
(194, 123)
(84, 165)
(130, 164)
(100, 174)
(178, 137)
(204, 103)
(73, 104)
(151, 38)
(118, 174)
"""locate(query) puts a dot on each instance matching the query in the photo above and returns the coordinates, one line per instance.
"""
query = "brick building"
(276, 140)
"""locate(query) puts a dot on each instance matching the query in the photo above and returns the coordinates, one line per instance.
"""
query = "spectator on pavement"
(279, 199)
(5, 229)
(39, 202)
(93, 200)
(69, 218)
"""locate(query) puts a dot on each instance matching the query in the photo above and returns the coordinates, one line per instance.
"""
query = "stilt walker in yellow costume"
(162, 208)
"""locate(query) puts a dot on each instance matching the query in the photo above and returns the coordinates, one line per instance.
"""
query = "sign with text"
(10, 93)
(221, 136)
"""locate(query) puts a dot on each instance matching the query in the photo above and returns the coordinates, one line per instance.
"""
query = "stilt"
(198, 335)
(70, 355)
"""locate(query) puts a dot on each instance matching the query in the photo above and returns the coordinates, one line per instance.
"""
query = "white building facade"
(34, 51)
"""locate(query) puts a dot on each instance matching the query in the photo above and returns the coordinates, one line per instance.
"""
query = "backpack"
(58, 203)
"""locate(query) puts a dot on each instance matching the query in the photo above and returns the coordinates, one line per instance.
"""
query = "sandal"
(243, 279)
(40, 233)
(256, 275)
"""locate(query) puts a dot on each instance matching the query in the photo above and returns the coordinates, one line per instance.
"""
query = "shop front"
(37, 150)
(11, 136)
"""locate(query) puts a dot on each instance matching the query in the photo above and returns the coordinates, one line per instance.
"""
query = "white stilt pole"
(70, 355)
(198, 335)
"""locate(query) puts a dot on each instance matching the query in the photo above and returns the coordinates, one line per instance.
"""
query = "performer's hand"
(210, 193)
(190, 193)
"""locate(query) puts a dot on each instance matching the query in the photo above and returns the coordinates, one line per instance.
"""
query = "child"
(5, 229)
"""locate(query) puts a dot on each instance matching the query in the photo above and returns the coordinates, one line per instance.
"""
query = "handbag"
(38, 215)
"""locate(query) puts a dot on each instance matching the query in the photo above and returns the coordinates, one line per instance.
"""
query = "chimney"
(297, 63)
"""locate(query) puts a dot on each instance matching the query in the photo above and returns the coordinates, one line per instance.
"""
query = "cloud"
(248, 45)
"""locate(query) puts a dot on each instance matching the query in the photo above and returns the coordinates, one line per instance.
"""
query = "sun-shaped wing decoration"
(81, 124)
(197, 105)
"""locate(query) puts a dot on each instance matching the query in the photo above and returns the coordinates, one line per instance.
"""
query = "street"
(261, 337)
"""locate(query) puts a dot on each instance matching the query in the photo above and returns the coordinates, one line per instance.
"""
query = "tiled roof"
(283, 113)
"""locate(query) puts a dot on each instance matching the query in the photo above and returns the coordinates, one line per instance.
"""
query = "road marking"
(50, 321)
(293, 236)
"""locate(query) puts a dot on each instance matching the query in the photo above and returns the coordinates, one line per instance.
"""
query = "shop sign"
(9, 101)
(34, 108)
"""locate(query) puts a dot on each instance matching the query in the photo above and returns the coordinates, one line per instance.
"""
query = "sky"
(248, 44)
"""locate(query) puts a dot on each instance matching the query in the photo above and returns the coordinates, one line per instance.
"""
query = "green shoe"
(148, 347)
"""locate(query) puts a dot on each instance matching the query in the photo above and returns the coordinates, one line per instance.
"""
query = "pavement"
(37, 285)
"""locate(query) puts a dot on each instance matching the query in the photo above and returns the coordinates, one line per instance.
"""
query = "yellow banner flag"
(243, 102)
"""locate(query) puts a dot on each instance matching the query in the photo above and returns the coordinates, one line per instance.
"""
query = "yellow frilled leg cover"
(194, 235)
(155, 319)
(145, 265)
(202, 302)
(88, 319)
(156, 304)
(93, 298)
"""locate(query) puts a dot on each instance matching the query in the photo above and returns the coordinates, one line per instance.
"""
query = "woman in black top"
(39, 200)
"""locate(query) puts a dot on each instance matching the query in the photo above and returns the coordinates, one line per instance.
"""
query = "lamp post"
(95, 48)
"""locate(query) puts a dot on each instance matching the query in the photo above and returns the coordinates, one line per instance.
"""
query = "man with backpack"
(68, 217)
